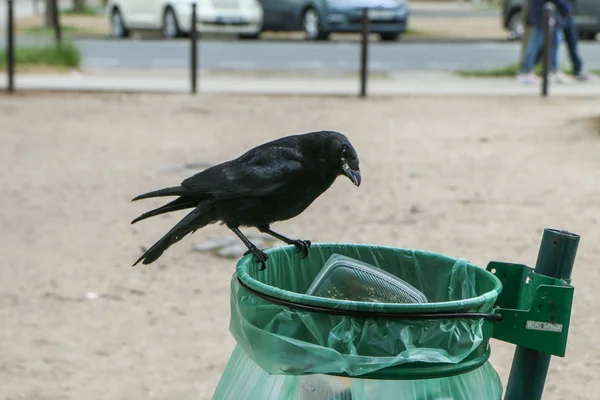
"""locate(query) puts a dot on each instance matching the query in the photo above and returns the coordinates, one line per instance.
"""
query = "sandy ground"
(466, 177)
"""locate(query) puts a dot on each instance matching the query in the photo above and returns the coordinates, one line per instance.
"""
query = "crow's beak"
(353, 175)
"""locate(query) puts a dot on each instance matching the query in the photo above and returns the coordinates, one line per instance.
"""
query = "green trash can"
(294, 346)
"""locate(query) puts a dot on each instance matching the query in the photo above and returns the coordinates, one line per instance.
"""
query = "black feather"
(179, 203)
(170, 191)
(196, 219)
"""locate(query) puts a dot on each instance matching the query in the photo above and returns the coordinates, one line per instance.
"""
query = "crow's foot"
(260, 257)
(302, 246)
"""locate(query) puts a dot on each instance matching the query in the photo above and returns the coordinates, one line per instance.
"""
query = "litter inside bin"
(346, 278)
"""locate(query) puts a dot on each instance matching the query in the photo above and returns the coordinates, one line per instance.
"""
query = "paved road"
(304, 56)
(296, 55)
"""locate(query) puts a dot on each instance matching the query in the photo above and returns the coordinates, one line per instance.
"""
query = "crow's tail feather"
(176, 205)
(196, 219)
(170, 191)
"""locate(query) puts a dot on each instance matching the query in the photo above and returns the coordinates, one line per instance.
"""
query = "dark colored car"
(319, 18)
(587, 18)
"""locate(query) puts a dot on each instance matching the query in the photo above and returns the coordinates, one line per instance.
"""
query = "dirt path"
(466, 177)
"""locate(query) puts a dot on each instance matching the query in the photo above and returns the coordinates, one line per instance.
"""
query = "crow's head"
(343, 156)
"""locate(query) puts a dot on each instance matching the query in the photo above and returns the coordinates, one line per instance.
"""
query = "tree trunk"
(49, 14)
(52, 20)
(79, 5)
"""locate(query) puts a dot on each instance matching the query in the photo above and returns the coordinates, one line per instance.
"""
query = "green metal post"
(529, 368)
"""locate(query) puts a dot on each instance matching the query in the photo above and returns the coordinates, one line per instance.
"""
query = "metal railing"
(194, 48)
(549, 26)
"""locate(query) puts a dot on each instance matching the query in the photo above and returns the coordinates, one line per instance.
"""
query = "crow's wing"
(259, 172)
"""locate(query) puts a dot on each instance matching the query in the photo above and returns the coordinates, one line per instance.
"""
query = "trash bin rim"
(304, 299)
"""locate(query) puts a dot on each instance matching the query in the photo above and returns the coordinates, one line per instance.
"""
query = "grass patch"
(90, 11)
(487, 7)
(506, 71)
(45, 31)
(66, 56)
(415, 32)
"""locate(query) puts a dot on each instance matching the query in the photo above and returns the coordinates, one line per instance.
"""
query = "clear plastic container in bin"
(345, 278)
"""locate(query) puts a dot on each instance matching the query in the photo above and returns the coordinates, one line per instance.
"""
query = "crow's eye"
(344, 151)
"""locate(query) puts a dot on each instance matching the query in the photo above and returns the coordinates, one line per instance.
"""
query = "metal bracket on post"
(535, 309)
(549, 26)
(550, 308)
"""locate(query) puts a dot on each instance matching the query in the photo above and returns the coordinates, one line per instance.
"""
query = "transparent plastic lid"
(345, 278)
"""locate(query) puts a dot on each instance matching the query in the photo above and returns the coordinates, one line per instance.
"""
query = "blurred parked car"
(319, 18)
(173, 17)
(586, 17)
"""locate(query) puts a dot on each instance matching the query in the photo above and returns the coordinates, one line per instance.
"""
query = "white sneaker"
(586, 77)
(560, 77)
(528, 78)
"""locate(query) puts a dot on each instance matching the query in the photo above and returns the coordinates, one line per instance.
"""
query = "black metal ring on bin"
(374, 314)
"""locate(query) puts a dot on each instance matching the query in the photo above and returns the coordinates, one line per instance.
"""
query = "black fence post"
(194, 50)
(364, 49)
(556, 258)
(10, 48)
(549, 26)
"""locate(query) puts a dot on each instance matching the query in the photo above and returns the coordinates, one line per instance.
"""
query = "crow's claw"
(302, 246)
(260, 257)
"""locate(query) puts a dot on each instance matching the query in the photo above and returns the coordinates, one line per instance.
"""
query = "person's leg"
(557, 75)
(534, 44)
(555, 49)
(571, 38)
(524, 42)
(526, 31)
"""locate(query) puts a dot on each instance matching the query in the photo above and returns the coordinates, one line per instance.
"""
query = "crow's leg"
(252, 249)
(301, 245)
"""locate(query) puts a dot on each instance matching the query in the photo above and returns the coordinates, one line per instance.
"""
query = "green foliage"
(502, 72)
(67, 56)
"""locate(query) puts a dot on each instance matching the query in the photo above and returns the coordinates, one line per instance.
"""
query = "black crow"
(272, 182)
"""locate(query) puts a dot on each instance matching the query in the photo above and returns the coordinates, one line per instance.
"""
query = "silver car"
(319, 18)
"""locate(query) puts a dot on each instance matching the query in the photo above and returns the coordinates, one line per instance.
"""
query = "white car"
(173, 17)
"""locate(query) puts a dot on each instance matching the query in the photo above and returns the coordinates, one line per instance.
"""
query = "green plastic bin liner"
(244, 379)
(291, 345)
